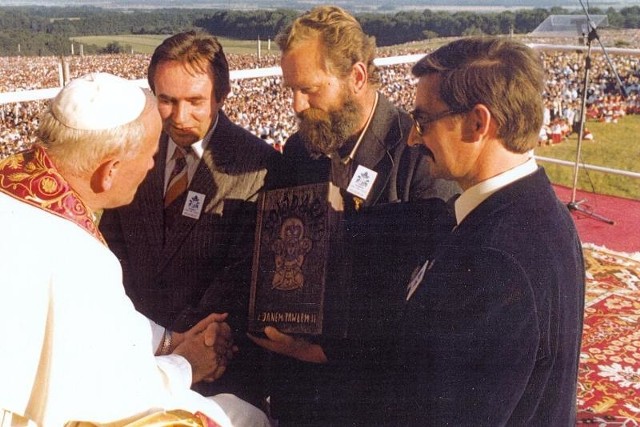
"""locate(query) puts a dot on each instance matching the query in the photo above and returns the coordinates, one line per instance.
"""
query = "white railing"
(628, 174)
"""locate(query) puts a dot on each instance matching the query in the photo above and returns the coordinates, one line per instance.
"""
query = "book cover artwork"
(296, 263)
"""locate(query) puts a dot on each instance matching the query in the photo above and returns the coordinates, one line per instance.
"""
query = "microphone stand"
(574, 205)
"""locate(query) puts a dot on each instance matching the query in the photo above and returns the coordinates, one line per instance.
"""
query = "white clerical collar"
(472, 197)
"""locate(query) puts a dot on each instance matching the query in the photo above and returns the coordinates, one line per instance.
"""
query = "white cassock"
(72, 346)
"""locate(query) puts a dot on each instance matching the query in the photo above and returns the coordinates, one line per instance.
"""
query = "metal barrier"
(588, 167)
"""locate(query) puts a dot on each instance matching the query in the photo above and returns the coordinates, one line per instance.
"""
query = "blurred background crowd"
(262, 105)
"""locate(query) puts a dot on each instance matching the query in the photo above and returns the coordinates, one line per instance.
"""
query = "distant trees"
(46, 31)
(115, 47)
(26, 43)
(409, 26)
(249, 25)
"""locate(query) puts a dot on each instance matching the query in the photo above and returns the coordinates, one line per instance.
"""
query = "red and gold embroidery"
(31, 177)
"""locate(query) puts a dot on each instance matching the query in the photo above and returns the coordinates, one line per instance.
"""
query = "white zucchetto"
(98, 101)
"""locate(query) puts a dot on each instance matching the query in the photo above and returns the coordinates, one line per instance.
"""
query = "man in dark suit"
(185, 242)
(346, 127)
(493, 320)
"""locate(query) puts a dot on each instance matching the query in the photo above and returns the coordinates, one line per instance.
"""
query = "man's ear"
(104, 175)
(479, 121)
(360, 75)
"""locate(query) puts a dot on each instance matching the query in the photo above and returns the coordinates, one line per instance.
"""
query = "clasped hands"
(208, 347)
(291, 346)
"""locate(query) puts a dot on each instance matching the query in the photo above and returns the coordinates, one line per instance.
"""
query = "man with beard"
(344, 123)
(327, 63)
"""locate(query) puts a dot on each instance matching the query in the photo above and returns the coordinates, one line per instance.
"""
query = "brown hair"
(504, 75)
(342, 37)
(196, 50)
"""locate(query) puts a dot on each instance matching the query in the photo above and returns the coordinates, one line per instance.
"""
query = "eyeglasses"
(420, 120)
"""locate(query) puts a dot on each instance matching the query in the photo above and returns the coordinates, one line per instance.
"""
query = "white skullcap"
(98, 101)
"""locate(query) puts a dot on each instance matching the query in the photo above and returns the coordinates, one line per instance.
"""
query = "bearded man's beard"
(324, 132)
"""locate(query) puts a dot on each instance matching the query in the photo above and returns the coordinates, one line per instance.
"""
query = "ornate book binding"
(300, 262)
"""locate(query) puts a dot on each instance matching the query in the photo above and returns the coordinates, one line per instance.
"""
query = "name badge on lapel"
(362, 182)
(417, 277)
(193, 205)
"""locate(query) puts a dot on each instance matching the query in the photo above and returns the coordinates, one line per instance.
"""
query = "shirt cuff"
(157, 335)
(176, 370)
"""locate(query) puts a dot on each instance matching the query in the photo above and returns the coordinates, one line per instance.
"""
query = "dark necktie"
(178, 180)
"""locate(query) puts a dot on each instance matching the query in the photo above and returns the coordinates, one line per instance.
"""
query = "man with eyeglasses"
(493, 320)
(422, 120)
(345, 124)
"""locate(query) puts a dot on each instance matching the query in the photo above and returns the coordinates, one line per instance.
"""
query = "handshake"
(208, 347)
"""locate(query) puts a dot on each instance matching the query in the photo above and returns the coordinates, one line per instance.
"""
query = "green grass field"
(139, 43)
(147, 43)
(615, 146)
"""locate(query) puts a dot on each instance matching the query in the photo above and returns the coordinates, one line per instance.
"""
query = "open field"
(147, 43)
(615, 145)
(138, 43)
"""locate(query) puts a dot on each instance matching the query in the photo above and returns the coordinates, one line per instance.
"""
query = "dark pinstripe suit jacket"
(202, 265)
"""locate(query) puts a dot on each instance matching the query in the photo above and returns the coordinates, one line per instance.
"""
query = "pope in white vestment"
(72, 346)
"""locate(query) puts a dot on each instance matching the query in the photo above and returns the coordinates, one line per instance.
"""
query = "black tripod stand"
(574, 205)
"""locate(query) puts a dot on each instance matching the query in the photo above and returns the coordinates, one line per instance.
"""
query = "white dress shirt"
(192, 158)
(473, 196)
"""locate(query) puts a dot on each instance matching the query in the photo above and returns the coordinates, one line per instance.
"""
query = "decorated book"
(300, 262)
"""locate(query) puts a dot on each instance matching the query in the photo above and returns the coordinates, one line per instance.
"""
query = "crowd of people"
(261, 104)
(604, 102)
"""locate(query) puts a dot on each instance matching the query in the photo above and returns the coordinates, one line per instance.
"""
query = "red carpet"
(622, 236)
(609, 377)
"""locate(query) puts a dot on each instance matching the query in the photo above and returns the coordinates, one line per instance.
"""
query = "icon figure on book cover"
(290, 249)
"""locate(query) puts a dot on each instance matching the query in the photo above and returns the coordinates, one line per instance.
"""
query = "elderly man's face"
(327, 112)
(186, 101)
(133, 167)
